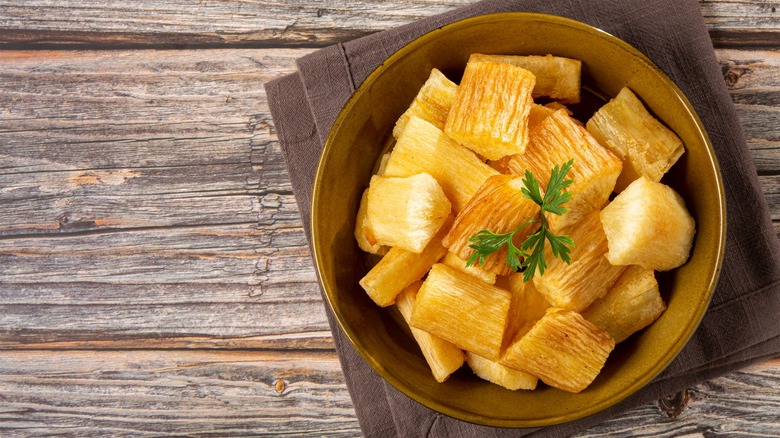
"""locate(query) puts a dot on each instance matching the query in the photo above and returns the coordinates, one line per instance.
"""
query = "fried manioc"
(501, 375)
(490, 113)
(648, 225)
(406, 212)
(432, 103)
(556, 77)
(361, 226)
(399, 268)
(625, 127)
(537, 114)
(383, 164)
(498, 206)
(453, 261)
(556, 140)
(632, 304)
(443, 357)
(562, 349)
(462, 309)
(423, 147)
(527, 307)
(589, 276)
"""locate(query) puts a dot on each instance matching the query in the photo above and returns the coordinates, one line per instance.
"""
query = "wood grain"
(155, 393)
(223, 23)
(268, 393)
(744, 403)
(753, 78)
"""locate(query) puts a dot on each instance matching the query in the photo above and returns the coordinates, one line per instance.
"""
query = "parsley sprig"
(486, 242)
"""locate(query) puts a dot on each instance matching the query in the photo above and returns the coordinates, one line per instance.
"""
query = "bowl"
(359, 137)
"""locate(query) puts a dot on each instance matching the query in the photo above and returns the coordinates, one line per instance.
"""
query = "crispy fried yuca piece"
(463, 310)
(648, 225)
(501, 164)
(360, 230)
(527, 307)
(498, 206)
(383, 164)
(588, 277)
(562, 349)
(555, 106)
(556, 77)
(535, 117)
(453, 261)
(537, 114)
(406, 212)
(400, 268)
(432, 103)
(632, 304)
(442, 356)
(494, 372)
(646, 147)
(425, 148)
(557, 140)
(490, 113)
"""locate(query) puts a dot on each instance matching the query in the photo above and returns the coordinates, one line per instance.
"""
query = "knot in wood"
(732, 77)
(675, 404)
(280, 386)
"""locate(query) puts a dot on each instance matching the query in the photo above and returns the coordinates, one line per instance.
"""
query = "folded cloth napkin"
(740, 326)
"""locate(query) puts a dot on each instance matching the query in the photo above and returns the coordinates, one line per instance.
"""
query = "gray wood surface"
(154, 275)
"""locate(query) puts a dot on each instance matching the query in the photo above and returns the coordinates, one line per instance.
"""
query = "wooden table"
(154, 275)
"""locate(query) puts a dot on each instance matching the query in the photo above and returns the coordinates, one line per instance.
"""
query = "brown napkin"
(741, 325)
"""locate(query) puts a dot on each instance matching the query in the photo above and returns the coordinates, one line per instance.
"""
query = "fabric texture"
(740, 326)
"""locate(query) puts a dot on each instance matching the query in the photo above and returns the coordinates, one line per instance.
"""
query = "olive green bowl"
(358, 138)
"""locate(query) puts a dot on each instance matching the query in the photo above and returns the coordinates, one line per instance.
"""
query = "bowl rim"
(661, 364)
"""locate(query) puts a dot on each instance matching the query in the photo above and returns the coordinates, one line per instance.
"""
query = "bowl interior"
(357, 140)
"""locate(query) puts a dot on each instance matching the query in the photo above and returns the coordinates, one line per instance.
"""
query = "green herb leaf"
(531, 250)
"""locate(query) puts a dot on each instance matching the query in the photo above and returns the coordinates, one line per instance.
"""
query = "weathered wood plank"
(158, 393)
(270, 393)
(744, 403)
(112, 146)
(111, 23)
(222, 287)
(65, 202)
(128, 109)
(753, 78)
(103, 140)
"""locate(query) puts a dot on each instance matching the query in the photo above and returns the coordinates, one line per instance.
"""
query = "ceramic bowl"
(357, 140)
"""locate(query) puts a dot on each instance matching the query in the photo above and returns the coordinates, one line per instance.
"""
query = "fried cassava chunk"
(432, 103)
(363, 233)
(399, 268)
(589, 276)
(648, 225)
(557, 139)
(625, 127)
(498, 206)
(632, 304)
(494, 372)
(562, 349)
(556, 77)
(424, 148)
(462, 309)
(406, 212)
(442, 356)
(490, 113)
